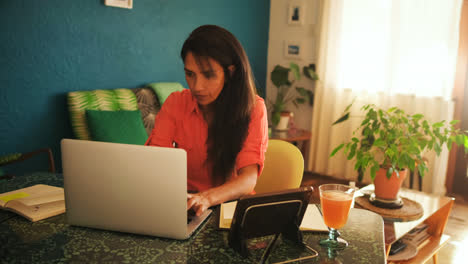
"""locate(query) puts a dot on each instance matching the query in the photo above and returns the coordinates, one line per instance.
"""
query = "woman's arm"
(234, 188)
(250, 159)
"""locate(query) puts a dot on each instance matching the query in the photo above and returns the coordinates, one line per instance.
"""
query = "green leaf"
(349, 106)
(365, 122)
(295, 70)
(466, 144)
(337, 149)
(374, 170)
(460, 139)
(449, 143)
(352, 151)
(310, 73)
(454, 122)
(411, 163)
(279, 76)
(389, 172)
(275, 118)
(358, 164)
(342, 119)
(301, 91)
(360, 175)
(299, 101)
(437, 148)
(392, 109)
(367, 142)
(421, 169)
(438, 124)
(379, 143)
(366, 131)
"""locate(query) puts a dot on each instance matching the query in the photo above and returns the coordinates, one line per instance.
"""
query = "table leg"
(434, 258)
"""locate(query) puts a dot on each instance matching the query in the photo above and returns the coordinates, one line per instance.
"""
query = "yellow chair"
(283, 168)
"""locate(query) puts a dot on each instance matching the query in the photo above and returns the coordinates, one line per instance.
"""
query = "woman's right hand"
(198, 202)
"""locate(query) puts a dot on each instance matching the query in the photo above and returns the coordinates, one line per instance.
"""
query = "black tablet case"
(268, 214)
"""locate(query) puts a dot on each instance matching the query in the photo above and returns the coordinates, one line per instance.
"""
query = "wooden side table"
(299, 137)
(436, 212)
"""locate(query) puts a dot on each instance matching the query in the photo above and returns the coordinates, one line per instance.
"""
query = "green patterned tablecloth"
(52, 240)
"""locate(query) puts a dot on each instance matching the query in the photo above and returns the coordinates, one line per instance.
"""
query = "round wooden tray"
(410, 211)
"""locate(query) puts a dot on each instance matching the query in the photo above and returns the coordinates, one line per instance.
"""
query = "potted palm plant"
(285, 94)
(389, 142)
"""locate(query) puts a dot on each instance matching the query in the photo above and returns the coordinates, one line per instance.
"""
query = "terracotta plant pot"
(388, 188)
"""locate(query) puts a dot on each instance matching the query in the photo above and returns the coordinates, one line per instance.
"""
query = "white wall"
(307, 34)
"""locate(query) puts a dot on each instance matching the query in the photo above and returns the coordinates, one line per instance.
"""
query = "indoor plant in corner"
(389, 142)
(285, 94)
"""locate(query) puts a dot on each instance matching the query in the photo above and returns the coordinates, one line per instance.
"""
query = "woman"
(219, 120)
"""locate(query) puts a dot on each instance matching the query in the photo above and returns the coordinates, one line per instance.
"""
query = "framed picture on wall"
(296, 13)
(293, 49)
(119, 3)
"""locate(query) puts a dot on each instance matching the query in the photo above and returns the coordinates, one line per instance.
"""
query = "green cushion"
(116, 126)
(164, 89)
(108, 100)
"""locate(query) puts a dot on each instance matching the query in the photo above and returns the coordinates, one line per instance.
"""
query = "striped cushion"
(110, 100)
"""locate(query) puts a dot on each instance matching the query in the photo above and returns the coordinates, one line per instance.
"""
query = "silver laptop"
(127, 188)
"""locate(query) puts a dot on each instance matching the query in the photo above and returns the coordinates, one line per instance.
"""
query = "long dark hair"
(233, 107)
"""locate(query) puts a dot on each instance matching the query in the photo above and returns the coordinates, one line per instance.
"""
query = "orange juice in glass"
(336, 200)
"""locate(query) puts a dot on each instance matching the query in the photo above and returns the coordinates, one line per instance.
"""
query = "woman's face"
(205, 79)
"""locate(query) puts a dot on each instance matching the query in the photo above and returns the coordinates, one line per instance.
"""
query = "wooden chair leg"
(434, 259)
(33, 153)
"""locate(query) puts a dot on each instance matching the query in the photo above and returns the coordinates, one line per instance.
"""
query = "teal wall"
(51, 47)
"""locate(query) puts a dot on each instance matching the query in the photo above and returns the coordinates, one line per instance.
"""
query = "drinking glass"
(336, 200)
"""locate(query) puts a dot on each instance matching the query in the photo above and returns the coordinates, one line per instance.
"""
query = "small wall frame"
(119, 3)
(293, 49)
(296, 13)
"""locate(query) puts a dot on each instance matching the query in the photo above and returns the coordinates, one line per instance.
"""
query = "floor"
(457, 225)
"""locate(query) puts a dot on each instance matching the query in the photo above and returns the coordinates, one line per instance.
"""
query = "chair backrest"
(109, 100)
(143, 99)
(283, 167)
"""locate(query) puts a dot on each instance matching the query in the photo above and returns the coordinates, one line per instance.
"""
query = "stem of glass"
(333, 234)
(332, 240)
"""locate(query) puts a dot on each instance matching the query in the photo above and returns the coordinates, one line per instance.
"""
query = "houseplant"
(285, 94)
(389, 142)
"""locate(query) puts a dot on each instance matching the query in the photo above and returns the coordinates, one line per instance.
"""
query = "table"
(301, 136)
(52, 240)
(436, 213)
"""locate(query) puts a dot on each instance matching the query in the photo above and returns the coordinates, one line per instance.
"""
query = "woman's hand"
(241, 184)
(198, 202)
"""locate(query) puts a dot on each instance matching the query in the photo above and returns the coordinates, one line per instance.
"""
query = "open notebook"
(35, 202)
(312, 220)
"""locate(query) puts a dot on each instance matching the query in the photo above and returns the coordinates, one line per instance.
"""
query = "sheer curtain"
(387, 52)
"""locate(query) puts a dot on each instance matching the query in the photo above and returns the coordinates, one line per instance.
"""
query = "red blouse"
(180, 121)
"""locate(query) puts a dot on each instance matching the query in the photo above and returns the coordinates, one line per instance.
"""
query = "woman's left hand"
(198, 202)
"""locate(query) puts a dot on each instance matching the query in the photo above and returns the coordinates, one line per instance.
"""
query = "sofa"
(120, 115)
